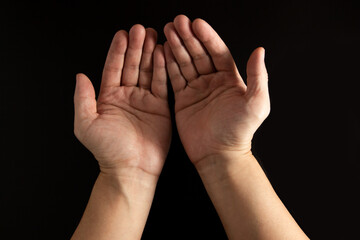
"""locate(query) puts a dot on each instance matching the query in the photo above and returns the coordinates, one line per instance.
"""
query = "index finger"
(215, 46)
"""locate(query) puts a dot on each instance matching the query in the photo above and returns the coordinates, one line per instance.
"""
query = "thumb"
(257, 77)
(84, 98)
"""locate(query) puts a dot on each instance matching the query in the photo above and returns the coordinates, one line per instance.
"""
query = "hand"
(129, 125)
(215, 111)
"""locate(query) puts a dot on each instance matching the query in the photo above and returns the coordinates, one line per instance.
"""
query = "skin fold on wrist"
(130, 176)
(216, 168)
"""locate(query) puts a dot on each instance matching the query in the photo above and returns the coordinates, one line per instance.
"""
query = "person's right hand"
(216, 112)
(129, 125)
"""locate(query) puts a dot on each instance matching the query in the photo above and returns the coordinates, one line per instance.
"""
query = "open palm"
(215, 110)
(129, 125)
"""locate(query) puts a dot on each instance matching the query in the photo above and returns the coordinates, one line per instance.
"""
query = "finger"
(133, 56)
(84, 99)
(115, 60)
(178, 49)
(201, 58)
(257, 77)
(215, 46)
(146, 65)
(178, 82)
(158, 83)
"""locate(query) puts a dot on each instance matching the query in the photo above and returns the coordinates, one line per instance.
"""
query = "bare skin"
(129, 125)
(217, 115)
(215, 110)
(128, 130)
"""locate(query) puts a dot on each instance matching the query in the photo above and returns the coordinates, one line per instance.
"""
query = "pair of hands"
(129, 126)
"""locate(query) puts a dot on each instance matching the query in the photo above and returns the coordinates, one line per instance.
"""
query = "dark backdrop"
(308, 146)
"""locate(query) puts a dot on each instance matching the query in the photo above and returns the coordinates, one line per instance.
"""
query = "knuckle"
(183, 64)
(176, 77)
(146, 69)
(111, 68)
(199, 56)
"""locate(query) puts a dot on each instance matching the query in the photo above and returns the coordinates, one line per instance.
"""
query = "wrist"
(134, 168)
(129, 181)
(216, 168)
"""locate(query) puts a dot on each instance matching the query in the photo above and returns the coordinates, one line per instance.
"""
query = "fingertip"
(167, 26)
(121, 34)
(257, 54)
(260, 55)
(150, 41)
(256, 69)
(137, 30)
(151, 32)
(261, 51)
(150, 29)
(119, 42)
(196, 24)
(137, 26)
(77, 76)
(84, 98)
(159, 47)
(84, 86)
(180, 17)
(203, 31)
(80, 76)
(182, 25)
(166, 46)
(197, 20)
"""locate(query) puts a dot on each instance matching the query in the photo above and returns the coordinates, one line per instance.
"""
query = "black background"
(308, 146)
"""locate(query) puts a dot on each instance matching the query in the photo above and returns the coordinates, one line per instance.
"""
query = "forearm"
(245, 200)
(118, 207)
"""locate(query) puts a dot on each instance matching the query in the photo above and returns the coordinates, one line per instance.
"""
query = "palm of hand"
(214, 116)
(131, 130)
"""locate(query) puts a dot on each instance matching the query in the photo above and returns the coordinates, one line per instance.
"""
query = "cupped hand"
(129, 125)
(215, 111)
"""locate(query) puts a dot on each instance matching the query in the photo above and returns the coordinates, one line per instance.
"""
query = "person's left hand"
(129, 126)
(216, 113)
